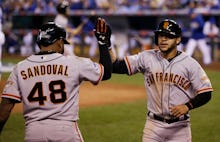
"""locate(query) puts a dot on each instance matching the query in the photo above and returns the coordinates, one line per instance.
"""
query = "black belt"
(167, 120)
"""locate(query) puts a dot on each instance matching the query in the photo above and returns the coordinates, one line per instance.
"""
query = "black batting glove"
(103, 33)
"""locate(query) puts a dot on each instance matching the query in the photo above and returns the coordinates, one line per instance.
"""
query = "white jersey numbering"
(41, 83)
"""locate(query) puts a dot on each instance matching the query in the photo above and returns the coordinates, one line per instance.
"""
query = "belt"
(166, 120)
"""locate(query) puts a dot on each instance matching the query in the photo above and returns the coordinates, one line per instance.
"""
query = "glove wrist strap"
(104, 44)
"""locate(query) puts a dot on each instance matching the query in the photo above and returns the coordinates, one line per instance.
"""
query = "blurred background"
(132, 22)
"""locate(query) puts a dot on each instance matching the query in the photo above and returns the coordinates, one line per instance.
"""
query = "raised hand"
(103, 33)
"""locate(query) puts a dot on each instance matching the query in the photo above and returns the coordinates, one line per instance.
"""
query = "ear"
(60, 42)
(178, 40)
(57, 45)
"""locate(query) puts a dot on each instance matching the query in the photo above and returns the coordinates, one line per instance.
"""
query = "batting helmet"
(170, 28)
(62, 7)
(49, 33)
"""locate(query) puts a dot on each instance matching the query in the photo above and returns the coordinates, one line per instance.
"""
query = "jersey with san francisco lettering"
(168, 83)
(48, 85)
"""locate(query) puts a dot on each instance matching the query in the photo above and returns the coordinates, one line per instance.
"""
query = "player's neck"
(170, 55)
(46, 50)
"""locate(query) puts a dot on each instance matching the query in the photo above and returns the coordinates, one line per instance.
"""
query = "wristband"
(189, 105)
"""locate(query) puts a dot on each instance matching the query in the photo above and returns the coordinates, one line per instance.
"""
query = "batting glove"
(103, 33)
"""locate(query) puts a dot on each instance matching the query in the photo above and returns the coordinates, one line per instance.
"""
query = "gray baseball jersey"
(168, 83)
(48, 85)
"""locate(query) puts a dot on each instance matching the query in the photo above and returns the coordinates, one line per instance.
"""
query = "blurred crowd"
(48, 6)
(134, 39)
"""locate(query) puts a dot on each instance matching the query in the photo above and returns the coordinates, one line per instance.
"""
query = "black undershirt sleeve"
(199, 100)
(119, 66)
(105, 60)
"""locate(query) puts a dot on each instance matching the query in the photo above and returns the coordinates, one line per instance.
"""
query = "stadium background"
(115, 110)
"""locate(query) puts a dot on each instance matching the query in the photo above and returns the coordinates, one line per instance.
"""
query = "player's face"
(166, 43)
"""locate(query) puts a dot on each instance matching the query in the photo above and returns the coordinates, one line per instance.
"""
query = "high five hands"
(103, 33)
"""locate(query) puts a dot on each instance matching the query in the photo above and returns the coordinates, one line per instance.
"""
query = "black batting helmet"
(49, 33)
(62, 7)
(169, 27)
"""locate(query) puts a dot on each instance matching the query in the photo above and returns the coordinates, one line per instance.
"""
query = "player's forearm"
(2, 124)
(106, 61)
(78, 29)
(5, 109)
(75, 31)
(199, 100)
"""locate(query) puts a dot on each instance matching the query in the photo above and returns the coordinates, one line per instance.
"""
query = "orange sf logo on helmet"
(166, 25)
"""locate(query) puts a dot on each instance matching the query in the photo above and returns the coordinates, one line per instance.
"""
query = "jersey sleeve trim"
(204, 90)
(101, 74)
(128, 65)
(11, 97)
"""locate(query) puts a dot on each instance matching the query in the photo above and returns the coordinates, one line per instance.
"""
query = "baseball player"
(198, 39)
(48, 86)
(62, 19)
(175, 84)
(211, 31)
